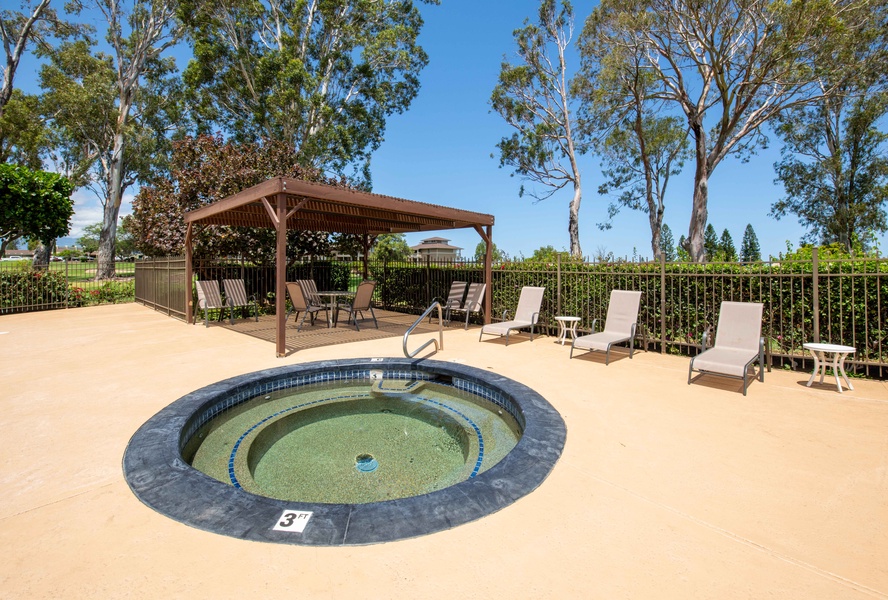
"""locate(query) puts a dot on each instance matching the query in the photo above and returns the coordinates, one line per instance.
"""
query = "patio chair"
(208, 298)
(526, 314)
(619, 325)
(738, 344)
(310, 288)
(473, 303)
(362, 302)
(236, 296)
(454, 299)
(301, 305)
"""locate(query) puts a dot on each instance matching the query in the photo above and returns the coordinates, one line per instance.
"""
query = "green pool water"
(356, 442)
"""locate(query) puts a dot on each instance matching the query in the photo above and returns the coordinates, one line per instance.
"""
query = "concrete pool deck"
(664, 490)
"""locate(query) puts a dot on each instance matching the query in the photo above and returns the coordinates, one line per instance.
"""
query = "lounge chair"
(362, 302)
(526, 315)
(454, 299)
(738, 343)
(236, 296)
(619, 325)
(473, 302)
(208, 298)
(301, 305)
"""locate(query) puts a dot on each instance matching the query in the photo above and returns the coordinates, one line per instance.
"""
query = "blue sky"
(440, 152)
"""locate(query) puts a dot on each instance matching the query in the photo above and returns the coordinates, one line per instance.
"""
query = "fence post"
(558, 286)
(385, 278)
(815, 275)
(428, 276)
(67, 285)
(662, 303)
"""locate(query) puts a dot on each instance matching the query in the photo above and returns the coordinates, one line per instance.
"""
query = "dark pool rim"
(158, 475)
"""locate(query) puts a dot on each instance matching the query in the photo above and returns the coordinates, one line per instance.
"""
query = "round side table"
(839, 352)
(567, 325)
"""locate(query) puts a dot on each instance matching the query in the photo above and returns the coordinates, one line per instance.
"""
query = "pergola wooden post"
(286, 204)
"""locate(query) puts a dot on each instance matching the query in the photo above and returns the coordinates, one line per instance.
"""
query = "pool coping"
(158, 475)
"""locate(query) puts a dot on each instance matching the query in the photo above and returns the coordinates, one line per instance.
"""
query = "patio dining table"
(334, 296)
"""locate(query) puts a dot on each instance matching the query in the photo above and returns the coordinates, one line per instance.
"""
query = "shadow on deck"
(391, 325)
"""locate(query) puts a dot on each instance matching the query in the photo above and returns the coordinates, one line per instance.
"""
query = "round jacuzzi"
(345, 452)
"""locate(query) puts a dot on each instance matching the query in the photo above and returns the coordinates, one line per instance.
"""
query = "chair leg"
(302, 322)
(690, 371)
(373, 314)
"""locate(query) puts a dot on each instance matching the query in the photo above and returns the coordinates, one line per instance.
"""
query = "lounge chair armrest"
(706, 335)
(594, 326)
(534, 318)
(505, 314)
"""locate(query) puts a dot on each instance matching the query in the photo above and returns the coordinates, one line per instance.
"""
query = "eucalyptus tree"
(834, 168)
(731, 66)
(35, 23)
(100, 104)
(640, 147)
(23, 133)
(534, 97)
(321, 75)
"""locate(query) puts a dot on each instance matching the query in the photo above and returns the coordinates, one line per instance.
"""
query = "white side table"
(839, 352)
(567, 325)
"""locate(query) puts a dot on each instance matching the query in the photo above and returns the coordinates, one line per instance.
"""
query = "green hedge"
(24, 290)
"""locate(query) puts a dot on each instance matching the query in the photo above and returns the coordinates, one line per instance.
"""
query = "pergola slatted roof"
(283, 203)
(321, 207)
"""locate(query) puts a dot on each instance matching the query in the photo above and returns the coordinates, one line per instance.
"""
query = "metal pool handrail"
(438, 347)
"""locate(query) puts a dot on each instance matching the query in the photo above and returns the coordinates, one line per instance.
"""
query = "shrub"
(23, 289)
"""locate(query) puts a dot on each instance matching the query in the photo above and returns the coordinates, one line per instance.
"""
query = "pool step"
(396, 387)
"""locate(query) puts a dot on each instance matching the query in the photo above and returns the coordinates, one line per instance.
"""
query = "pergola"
(282, 203)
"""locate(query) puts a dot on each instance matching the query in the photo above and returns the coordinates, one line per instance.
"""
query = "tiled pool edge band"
(158, 476)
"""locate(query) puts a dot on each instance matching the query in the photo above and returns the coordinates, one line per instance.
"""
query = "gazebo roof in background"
(320, 207)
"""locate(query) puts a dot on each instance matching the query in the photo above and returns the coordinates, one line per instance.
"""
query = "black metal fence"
(838, 301)
(160, 284)
(61, 284)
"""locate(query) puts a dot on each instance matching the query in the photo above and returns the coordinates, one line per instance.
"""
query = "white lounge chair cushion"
(504, 327)
(728, 361)
(600, 341)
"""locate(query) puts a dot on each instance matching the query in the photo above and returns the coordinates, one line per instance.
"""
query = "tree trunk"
(108, 236)
(699, 211)
(573, 226)
(42, 255)
(656, 221)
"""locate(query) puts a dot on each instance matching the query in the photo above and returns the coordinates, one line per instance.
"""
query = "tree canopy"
(207, 169)
(33, 204)
(834, 168)
(390, 247)
(737, 66)
(322, 76)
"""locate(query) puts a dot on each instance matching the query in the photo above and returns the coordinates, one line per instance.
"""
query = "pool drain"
(365, 463)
